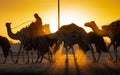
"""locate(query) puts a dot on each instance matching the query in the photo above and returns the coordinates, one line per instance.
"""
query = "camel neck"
(11, 34)
(98, 31)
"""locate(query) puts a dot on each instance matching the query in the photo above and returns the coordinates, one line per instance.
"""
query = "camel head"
(90, 24)
(8, 24)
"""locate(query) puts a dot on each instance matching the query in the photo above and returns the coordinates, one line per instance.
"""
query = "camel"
(5, 45)
(100, 44)
(103, 32)
(23, 36)
(71, 34)
(43, 45)
(114, 32)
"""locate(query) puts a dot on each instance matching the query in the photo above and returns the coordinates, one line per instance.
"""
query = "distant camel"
(103, 32)
(113, 30)
(5, 45)
(71, 34)
(100, 44)
(23, 36)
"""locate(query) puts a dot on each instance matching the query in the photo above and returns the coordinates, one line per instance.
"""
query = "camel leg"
(41, 58)
(5, 60)
(99, 54)
(109, 56)
(94, 59)
(66, 55)
(11, 56)
(116, 55)
(23, 55)
(73, 54)
(109, 45)
(92, 51)
(32, 55)
(18, 53)
(49, 56)
(27, 57)
(38, 56)
(55, 49)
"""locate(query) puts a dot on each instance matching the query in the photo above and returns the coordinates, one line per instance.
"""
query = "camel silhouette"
(23, 36)
(104, 32)
(42, 44)
(72, 34)
(113, 30)
(100, 44)
(5, 45)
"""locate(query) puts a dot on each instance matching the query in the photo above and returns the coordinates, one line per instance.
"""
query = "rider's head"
(36, 16)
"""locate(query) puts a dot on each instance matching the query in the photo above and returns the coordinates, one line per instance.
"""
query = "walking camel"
(100, 45)
(5, 45)
(103, 32)
(23, 36)
(114, 30)
(43, 45)
(70, 34)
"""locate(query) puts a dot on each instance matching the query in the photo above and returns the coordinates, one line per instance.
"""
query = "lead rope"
(22, 24)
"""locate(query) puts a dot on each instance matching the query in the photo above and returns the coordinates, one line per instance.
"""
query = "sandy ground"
(83, 66)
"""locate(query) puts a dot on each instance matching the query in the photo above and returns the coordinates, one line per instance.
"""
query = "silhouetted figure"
(100, 44)
(115, 41)
(23, 36)
(42, 44)
(38, 20)
(72, 34)
(113, 30)
(5, 45)
(35, 28)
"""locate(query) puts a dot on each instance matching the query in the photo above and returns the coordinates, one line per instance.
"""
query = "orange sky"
(76, 11)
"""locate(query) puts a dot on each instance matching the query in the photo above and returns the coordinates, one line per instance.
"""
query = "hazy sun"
(67, 18)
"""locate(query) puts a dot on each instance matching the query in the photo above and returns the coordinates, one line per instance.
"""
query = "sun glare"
(107, 40)
(68, 19)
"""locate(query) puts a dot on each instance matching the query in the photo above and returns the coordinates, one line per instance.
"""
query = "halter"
(22, 24)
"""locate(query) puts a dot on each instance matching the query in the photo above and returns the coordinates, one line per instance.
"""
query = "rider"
(35, 28)
(38, 21)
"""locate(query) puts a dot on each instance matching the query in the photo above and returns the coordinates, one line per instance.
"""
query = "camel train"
(34, 38)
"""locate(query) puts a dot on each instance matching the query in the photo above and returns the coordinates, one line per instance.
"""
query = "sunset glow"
(71, 11)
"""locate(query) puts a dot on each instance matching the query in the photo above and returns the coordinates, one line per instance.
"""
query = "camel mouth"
(86, 25)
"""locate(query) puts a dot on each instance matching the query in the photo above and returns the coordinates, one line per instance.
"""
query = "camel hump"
(115, 25)
(112, 26)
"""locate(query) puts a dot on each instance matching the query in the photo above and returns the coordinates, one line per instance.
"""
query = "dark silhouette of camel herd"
(34, 38)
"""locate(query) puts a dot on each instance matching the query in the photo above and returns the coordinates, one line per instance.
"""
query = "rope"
(22, 24)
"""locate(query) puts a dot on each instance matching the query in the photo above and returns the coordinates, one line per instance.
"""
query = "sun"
(68, 18)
